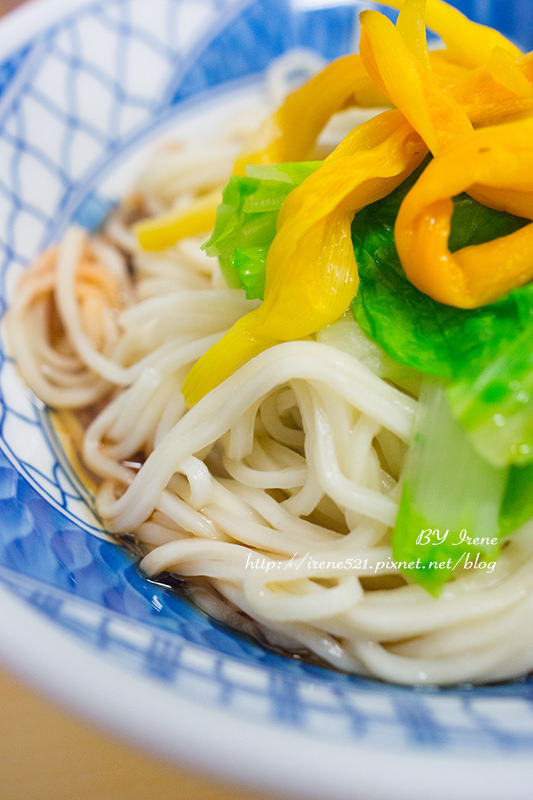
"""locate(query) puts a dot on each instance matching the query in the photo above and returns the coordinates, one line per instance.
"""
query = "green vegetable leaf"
(495, 406)
(411, 327)
(517, 503)
(249, 263)
(246, 221)
(448, 519)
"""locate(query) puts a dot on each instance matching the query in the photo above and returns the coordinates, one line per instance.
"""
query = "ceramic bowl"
(84, 86)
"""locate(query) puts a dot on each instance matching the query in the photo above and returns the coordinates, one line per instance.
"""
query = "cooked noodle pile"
(276, 494)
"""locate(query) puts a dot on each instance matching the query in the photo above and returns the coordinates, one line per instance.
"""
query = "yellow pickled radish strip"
(198, 217)
(499, 157)
(291, 132)
(494, 91)
(468, 43)
(446, 72)
(322, 280)
(411, 25)
(311, 274)
(498, 90)
(505, 71)
(292, 309)
(367, 165)
(409, 82)
(514, 201)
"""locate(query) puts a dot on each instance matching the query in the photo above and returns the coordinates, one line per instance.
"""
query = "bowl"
(84, 87)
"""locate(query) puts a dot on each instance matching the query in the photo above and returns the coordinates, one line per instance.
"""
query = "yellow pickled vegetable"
(486, 75)
(290, 134)
(498, 157)
(481, 274)
(402, 70)
(468, 43)
(164, 231)
(311, 274)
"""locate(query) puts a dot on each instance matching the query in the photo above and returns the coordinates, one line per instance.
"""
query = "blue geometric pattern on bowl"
(156, 59)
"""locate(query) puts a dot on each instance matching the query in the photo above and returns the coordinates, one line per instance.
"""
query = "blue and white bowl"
(84, 84)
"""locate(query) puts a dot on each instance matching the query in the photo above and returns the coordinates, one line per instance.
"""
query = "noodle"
(277, 492)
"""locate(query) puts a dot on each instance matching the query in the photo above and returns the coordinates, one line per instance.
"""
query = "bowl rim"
(19, 24)
(206, 739)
